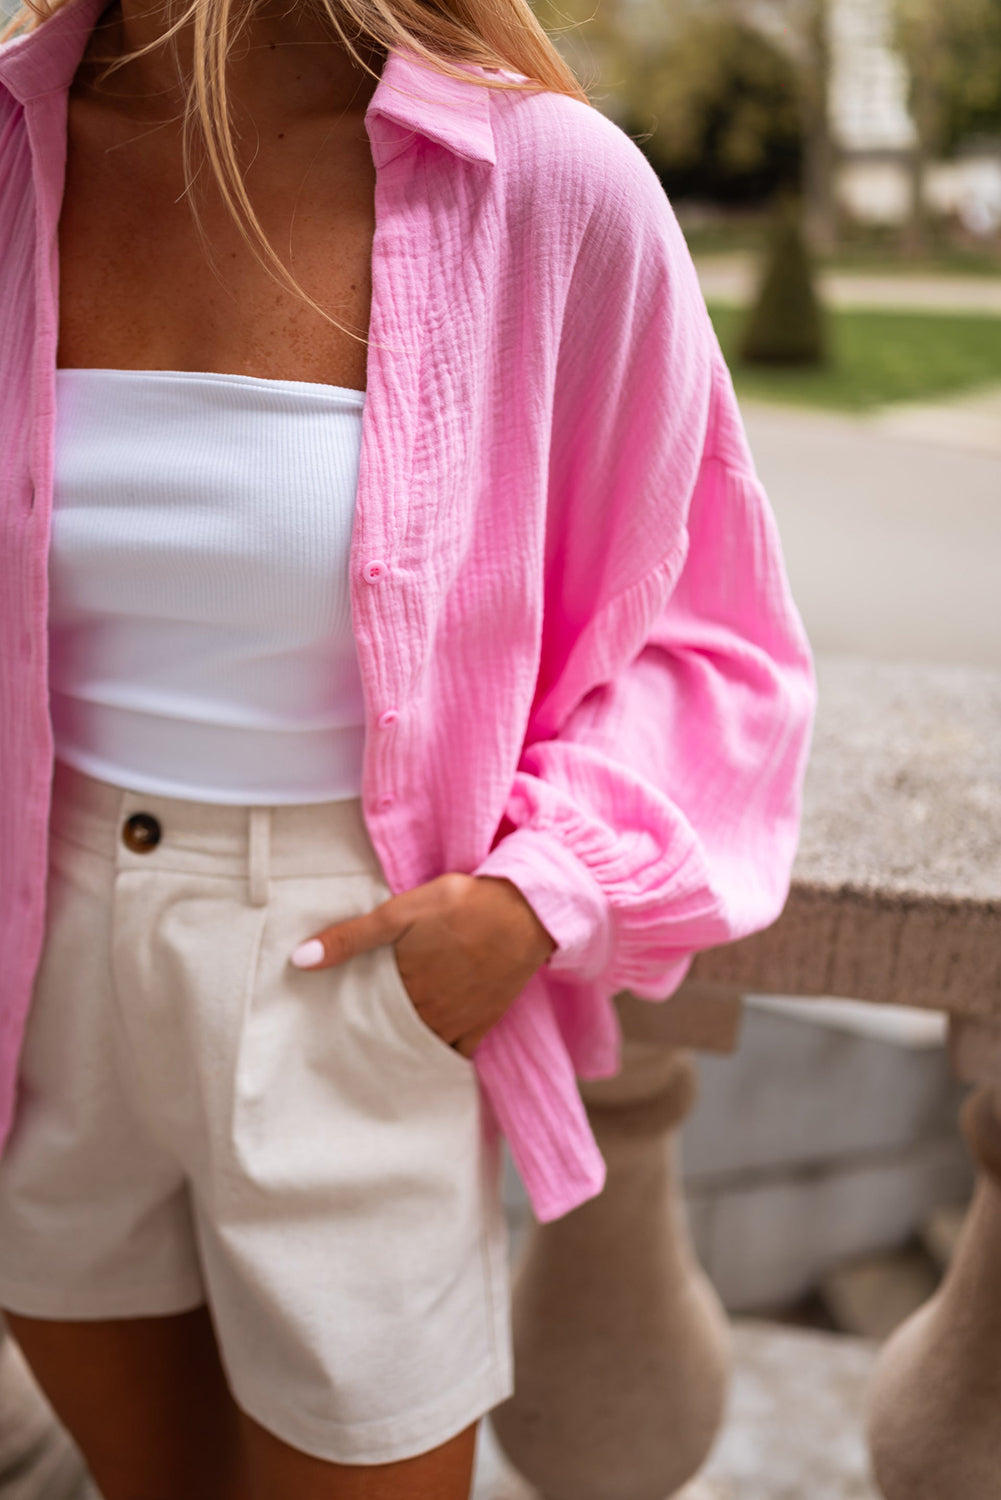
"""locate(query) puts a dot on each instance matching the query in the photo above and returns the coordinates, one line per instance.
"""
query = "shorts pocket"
(410, 1023)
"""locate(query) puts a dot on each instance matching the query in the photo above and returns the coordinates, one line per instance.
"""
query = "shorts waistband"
(209, 838)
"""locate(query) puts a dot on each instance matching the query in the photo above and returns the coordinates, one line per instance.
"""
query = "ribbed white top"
(200, 616)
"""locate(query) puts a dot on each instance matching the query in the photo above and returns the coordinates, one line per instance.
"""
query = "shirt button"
(387, 718)
(141, 833)
(385, 802)
(375, 570)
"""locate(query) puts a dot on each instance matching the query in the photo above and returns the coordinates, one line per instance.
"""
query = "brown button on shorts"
(198, 1121)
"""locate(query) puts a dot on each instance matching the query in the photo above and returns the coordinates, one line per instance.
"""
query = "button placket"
(375, 571)
(386, 720)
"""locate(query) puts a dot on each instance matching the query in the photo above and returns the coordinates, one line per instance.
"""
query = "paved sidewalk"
(891, 537)
(794, 1430)
(971, 421)
(733, 279)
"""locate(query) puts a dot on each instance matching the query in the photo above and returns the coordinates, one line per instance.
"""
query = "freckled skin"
(131, 251)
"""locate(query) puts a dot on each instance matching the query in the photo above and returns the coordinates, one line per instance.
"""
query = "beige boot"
(621, 1345)
(935, 1402)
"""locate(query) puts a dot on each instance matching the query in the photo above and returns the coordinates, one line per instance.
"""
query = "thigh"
(144, 1399)
(278, 1471)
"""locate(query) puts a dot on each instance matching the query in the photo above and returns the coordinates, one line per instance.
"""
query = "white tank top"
(200, 629)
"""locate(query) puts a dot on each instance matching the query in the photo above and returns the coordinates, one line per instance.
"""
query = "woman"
(398, 662)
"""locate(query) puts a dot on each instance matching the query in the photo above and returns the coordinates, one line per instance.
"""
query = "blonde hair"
(446, 34)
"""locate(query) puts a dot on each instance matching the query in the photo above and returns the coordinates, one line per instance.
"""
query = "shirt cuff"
(564, 895)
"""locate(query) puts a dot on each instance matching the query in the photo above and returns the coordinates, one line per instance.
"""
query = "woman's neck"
(286, 64)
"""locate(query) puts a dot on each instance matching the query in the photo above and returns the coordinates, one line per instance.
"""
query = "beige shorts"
(200, 1122)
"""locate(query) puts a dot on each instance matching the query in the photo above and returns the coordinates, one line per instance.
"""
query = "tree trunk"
(925, 111)
(819, 162)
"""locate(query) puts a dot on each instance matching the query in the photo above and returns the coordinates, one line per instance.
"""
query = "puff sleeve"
(655, 809)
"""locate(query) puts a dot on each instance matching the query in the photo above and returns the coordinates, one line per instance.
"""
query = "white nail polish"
(307, 954)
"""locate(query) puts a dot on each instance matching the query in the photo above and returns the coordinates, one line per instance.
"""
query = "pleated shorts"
(200, 1122)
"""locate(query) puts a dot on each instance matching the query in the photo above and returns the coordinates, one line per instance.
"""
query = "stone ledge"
(936, 955)
(896, 891)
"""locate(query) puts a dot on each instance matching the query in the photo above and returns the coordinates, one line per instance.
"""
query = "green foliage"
(973, 100)
(720, 104)
(786, 325)
(952, 49)
(712, 101)
(877, 358)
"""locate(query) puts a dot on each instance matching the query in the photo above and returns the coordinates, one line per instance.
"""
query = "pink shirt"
(582, 666)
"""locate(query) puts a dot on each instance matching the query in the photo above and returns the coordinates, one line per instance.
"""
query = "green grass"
(879, 254)
(946, 261)
(877, 358)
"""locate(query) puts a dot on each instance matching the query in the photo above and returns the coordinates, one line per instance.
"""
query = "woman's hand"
(466, 946)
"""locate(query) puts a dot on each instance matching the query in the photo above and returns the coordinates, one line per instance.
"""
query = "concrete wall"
(826, 1136)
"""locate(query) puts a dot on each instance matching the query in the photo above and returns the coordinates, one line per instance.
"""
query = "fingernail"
(307, 954)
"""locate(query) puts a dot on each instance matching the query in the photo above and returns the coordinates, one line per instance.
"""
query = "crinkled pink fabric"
(603, 688)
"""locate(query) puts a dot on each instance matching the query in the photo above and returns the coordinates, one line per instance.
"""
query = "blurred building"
(869, 83)
(875, 134)
(872, 126)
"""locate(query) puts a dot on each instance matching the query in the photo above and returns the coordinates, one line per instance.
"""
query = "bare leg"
(279, 1471)
(145, 1400)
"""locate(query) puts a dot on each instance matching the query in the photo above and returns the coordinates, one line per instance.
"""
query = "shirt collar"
(410, 92)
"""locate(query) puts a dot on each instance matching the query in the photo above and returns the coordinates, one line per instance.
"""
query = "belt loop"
(257, 864)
